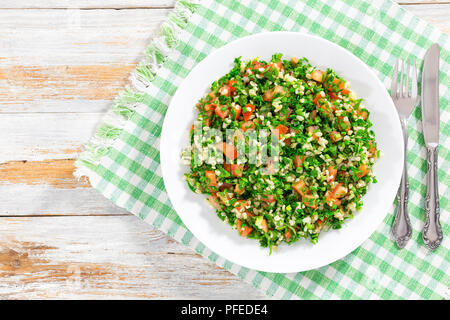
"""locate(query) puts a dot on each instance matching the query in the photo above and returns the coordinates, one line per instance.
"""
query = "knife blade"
(430, 96)
(432, 231)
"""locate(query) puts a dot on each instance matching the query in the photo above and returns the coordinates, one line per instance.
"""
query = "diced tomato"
(227, 166)
(364, 170)
(225, 91)
(264, 225)
(333, 96)
(211, 175)
(331, 200)
(248, 111)
(332, 172)
(210, 97)
(344, 123)
(340, 83)
(316, 99)
(230, 84)
(274, 65)
(281, 130)
(270, 198)
(310, 201)
(279, 65)
(362, 114)
(317, 75)
(323, 107)
(228, 89)
(270, 93)
(213, 201)
(335, 136)
(240, 207)
(298, 160)
(332, 197)
(320, 222)
(339, 191)
(228, 150)
(345, 91)
(236, 111)
(288, 235)
(210, 106)
(238, 190)
(222, 112)
(257, 65)
(236, 170)
(326, 110)
(244, 231)
(301, 188)
(247, 125)
(209, 116)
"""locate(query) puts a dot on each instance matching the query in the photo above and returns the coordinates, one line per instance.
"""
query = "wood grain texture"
(83, 58)
(86, 4)
(48, 188)
(437, 15)
(55, 173)
(70, 61)
(105, 257)
(123, 4)
(43, 136)
(60, 67)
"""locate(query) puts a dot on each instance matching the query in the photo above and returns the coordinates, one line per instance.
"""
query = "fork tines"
(407, 79)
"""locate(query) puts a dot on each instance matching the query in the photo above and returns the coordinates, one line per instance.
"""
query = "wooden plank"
(42, 136)
(126, 4)
(418, 2)
(55, 173)
(437, 15)
(70, 61)
(86, 4)
(105, 258)
(48, 188)
(83, 257)
(62, 61)
(45, 37)
(45, 200)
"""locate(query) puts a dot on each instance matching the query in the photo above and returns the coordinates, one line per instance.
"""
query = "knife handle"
(402, 230)
(432, 231)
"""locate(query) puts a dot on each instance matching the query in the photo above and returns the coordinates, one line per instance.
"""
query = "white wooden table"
(59, 69)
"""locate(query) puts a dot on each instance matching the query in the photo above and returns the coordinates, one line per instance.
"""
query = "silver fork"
(405, 99)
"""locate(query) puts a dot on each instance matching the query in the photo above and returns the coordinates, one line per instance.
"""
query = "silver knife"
(432, 231)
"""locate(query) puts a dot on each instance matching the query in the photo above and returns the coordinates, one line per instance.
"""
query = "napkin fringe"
(124, 105)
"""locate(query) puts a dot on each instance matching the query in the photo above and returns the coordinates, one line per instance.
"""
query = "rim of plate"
(280, 267)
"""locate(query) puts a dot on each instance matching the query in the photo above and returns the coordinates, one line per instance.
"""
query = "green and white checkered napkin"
(122, 159)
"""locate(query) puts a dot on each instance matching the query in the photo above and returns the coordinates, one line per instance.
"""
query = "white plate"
(202, 220)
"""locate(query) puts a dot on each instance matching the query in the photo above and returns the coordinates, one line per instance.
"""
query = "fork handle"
(402, 230)
(432, 231)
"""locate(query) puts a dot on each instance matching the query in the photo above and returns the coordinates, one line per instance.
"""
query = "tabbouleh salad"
(325, 159)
